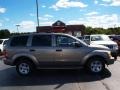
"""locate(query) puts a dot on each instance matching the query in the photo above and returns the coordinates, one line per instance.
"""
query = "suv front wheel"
(24, 67)
(95, 65)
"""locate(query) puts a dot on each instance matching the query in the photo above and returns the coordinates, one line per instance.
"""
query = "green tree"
(109, 31)
(4, 33)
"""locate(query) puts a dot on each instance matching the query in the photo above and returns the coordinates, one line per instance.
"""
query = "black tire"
(24, 67)
(95, 65)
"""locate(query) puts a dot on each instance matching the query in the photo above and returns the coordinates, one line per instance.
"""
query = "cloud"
(95, 1)
(46, 23)
(68, 4)
(0, 24)
(48, 15)
(32, 14)
(111, 3)
(115, 3)
(92, 13)
(106, 0)
(2, 10)
(7, 19)
(103, 4)
(45, 17)
(104, 21)
(43, 6)
(28, 26)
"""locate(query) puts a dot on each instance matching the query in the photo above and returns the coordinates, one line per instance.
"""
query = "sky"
(94, 13)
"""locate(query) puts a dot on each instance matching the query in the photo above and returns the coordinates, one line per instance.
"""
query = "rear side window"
(19, 41)
(42, 40)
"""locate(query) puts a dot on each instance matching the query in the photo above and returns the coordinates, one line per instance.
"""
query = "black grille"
(110, 46)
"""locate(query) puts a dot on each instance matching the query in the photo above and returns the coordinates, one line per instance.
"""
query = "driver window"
(64, 41)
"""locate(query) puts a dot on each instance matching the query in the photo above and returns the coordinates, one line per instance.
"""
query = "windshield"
(5, 42)
(1, 41)
(79, 40)
(106, 38)
(100, 38)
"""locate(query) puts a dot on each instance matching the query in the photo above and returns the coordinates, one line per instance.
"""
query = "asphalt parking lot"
(60, 79)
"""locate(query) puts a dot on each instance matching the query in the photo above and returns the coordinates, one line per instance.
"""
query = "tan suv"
(54, 51)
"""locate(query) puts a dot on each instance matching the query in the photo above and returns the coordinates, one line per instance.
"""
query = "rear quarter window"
(19, 41)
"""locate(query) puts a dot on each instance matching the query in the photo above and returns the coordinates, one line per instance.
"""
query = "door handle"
(32, 50)
(58, 50)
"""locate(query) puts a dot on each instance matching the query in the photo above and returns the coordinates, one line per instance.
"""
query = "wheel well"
(23, 58)
(96, 56)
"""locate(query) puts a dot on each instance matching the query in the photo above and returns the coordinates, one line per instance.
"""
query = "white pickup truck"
(101, 39)
(2, 43)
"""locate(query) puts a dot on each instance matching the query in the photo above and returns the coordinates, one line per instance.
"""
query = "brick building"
(60, 27)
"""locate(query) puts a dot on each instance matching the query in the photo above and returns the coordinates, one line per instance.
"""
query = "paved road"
(60, 79)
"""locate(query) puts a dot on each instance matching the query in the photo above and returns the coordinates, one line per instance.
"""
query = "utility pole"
(18, 27)
(37, 12)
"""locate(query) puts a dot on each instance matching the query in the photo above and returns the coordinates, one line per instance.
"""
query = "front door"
(66, 52)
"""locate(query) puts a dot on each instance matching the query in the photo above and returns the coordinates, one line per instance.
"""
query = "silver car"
(54, 51)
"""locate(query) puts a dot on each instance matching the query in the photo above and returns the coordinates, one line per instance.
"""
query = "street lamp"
(18, 27)
(37, 12)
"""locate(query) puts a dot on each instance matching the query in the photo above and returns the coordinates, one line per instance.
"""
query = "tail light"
(0, 53)
(5, 54)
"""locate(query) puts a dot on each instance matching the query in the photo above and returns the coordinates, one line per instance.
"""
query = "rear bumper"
(8, 62)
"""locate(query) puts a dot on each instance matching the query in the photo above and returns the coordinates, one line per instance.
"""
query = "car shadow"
(9, 77)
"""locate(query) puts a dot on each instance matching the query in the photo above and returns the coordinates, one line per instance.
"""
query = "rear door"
(41, 48)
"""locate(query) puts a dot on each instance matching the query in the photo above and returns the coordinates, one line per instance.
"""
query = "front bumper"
(114, 54)
(110, 61)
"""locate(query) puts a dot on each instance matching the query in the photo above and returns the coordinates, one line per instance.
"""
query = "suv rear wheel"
(24, 67)
(95, 65)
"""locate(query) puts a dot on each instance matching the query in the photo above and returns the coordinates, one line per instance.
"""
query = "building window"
(77, 33)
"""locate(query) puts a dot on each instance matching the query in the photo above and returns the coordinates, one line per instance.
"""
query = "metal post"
(37, 12)
(18, 27)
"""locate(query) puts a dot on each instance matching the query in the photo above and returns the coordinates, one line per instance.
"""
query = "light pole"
(37, 12)
(18, 27)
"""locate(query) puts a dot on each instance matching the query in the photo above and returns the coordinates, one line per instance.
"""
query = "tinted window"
(19, 41)
(64, 41)
(5, 42)
(81, 38)
(42, 40)
(87, 37)
(1, 41)
(96, 38)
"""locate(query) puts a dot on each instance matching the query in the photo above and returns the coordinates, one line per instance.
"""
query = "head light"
(116, 47)
(109, 53)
